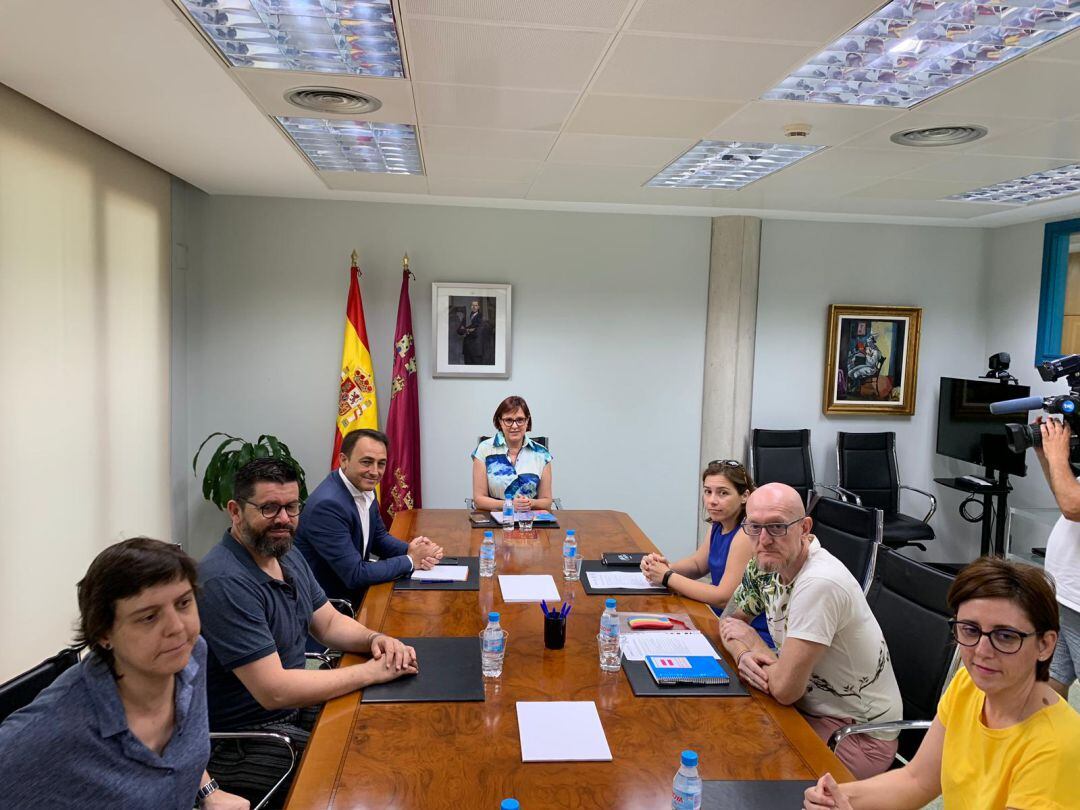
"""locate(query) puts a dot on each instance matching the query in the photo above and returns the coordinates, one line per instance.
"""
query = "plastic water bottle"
(508, 515)
(686, 789)
(510, 804)
(569, 557)
(487, 555)
(609, 620)
(493, 646)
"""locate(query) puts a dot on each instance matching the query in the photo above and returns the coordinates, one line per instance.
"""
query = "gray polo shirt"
(247, 615)
(71, 747)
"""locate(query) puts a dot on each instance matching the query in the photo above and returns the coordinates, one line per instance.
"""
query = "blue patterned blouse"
(505, 480)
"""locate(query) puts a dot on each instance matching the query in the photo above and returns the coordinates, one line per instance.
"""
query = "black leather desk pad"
(597, 565)
(753, 794)
(641, 681)
(471, 583)
(449, 672)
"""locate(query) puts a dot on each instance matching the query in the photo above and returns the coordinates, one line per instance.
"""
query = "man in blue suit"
(341, 529)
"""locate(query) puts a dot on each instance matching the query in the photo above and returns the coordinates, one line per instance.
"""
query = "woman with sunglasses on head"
(725, 486)
(126, 726)
(1002, 737)
(510, 464)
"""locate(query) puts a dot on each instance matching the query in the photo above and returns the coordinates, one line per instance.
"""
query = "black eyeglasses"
(514, 422)
(271, 510)
(774, 529)
(727, 462)
(1003, 639)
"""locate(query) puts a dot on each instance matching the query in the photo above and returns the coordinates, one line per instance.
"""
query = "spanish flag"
(357, 407)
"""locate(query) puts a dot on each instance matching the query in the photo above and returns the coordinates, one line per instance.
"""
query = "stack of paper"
(528, 588)
(635, 646)
(561, 732)
(443, 573)
(540, 516)
(605, 580)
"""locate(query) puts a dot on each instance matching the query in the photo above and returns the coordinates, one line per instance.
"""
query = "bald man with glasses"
(832, 662)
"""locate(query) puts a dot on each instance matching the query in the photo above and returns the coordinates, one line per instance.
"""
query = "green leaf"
(218, 464)
(195, 460)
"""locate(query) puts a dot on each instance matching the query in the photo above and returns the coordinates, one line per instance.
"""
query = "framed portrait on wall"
(470, 325)
(871, 360)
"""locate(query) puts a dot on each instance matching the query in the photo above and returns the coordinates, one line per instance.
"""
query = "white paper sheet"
(528, 588)
(561, 731)
(617, 579)
(635, 646)
(442, 573)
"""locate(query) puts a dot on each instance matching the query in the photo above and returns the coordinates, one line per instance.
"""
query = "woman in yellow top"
(1002, 738)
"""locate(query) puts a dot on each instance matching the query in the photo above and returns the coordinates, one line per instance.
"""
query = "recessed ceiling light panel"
(1034, 188)
(355, 37)
(356, 146)
(729, 164)
(911, 50)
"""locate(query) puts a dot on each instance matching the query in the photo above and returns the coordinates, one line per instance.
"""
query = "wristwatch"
(667, 576)
(205, 791)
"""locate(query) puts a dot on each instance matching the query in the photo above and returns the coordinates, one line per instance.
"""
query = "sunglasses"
(727, 462)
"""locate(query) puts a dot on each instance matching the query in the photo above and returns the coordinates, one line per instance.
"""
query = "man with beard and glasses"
(258, 603)
(831, 660)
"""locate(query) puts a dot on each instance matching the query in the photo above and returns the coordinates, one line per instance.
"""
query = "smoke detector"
(796, 130)
(939, 136)
(332, 100)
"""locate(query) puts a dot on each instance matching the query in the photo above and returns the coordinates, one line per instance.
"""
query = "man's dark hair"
(274, 470)
(352, 437)
(123, 570)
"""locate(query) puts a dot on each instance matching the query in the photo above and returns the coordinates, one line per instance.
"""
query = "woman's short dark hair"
(512, 403)
(737, 474)
(121, 571)
(1030, 588)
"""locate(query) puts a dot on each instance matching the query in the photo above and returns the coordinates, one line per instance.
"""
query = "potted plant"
(232, 454)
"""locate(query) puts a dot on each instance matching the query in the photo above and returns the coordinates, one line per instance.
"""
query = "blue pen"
(543, 606)
(568, 609)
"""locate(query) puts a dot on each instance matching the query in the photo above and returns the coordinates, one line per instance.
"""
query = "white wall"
(84, 360)
(608, 341)
(805, 266)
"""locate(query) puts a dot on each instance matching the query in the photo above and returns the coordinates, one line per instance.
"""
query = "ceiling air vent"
(939, 136)
(332, 100)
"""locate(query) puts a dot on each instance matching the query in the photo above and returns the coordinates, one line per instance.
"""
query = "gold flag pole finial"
(355, 266)
(405, 267)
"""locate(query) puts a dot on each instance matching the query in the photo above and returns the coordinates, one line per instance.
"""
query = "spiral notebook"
(691, 669)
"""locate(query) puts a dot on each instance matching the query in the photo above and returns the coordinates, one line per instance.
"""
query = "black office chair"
(784, 457)
(21, 690)
(908, 598)
(851, 533)
(866, 465)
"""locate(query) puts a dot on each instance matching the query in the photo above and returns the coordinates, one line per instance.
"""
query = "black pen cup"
(554, 631)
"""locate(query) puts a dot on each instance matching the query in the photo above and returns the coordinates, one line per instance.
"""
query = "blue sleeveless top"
(719, 547)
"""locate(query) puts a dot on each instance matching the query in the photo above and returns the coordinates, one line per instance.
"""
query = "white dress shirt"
(363, 501)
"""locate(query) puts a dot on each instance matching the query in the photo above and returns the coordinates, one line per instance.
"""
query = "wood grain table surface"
(467, 756)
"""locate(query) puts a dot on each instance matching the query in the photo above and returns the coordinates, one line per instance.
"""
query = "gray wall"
(608, 342)
(805, 266)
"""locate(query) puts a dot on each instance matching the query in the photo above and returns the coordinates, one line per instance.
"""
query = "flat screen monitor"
(969, 432)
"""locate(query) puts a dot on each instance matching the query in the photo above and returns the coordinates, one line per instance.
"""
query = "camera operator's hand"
(1054, 458)
(1055, 442)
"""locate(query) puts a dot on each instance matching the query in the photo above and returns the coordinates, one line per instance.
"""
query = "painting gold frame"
(871, 360)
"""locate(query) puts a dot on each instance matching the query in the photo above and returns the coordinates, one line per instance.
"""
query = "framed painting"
(470, 325)
(871, 360)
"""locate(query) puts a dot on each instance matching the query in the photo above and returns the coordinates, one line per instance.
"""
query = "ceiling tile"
(1059, 140)
(795, 181)
(269, 87)
(762, 19)
(1025, 88)
(571, 13)
(846, 161)
(1067, 48)
(998, 126)
(830, 123)
(904, 189)
(502, 56)
(480, 168)
(649, 117)
(975, 171)
(365, 181)
(464, 187)
(458, 105)
(684, 67)
(574, 147)
(494, 143)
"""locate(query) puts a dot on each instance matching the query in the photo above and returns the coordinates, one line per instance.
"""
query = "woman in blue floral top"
(510, 464)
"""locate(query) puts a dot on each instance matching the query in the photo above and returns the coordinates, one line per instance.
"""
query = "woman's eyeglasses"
(727, 462)
(514, 422)
(1003, 639)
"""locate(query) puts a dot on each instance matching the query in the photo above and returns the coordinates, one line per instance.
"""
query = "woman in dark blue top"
(725, 486)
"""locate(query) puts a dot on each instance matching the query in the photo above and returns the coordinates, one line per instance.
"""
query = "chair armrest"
(865, 728)
(343, 606)
(470, 504)
(327, 658)
(844, 494)
(556, 503)
(933, 501)
(272, 737)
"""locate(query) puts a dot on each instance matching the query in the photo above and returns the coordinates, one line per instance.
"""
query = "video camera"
(1021, 437)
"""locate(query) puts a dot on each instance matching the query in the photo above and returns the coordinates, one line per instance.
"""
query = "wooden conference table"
(467, 755)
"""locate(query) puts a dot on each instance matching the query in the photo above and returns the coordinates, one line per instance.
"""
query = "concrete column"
(730, 330)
